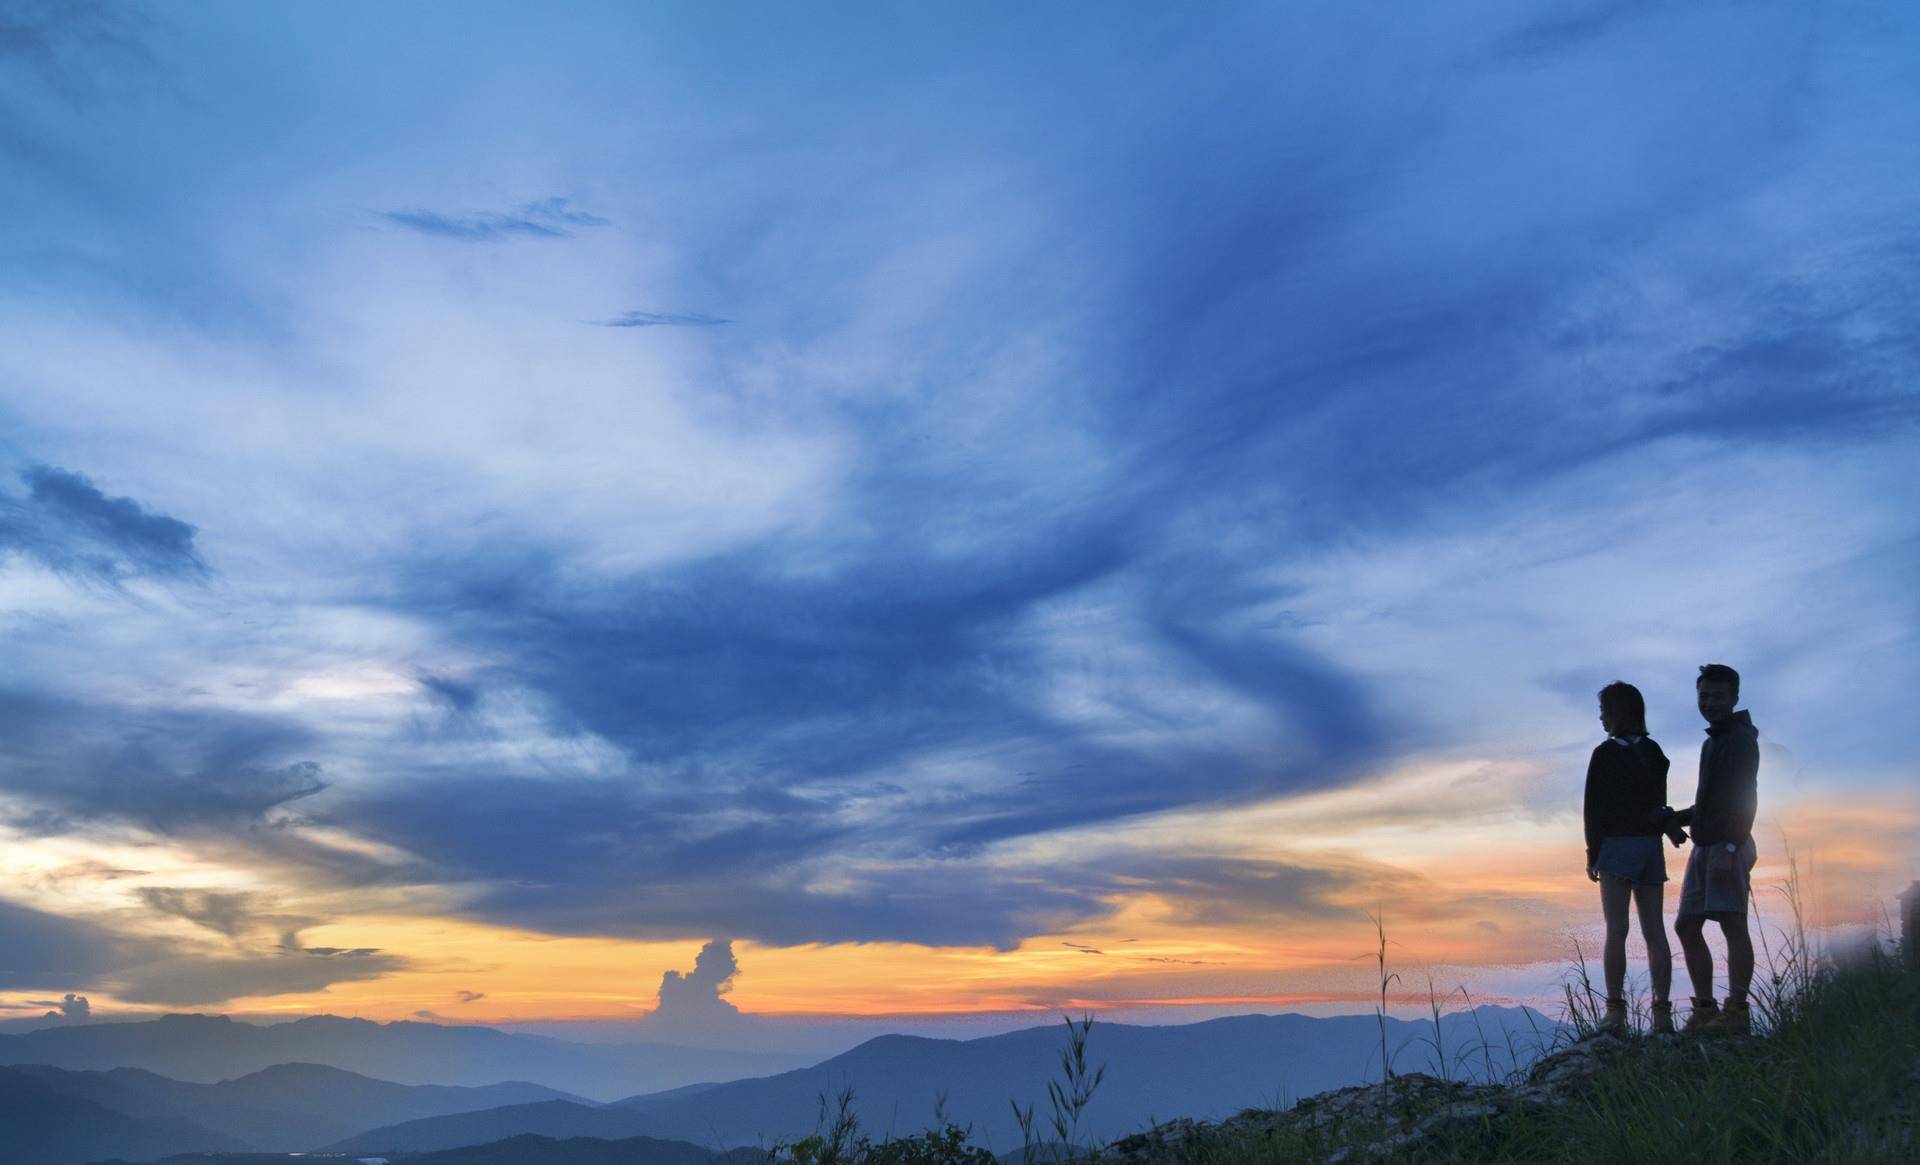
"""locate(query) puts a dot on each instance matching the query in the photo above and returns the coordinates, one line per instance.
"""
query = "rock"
(1392, 1116)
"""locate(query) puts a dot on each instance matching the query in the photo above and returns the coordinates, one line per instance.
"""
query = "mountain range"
(285, 1108)
(1200, 1070)
(209, 1048)
(51, 1114)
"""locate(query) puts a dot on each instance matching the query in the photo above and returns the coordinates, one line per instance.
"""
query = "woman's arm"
(1588, 813)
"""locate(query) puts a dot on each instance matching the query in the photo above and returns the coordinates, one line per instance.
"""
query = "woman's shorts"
(1633, 859)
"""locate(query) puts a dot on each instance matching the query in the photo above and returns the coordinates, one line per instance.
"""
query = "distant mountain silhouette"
(209, 1048)
(1204, 1069)
(285, 1108)
(552, 1118)
(40, 1125)
(536, 1150)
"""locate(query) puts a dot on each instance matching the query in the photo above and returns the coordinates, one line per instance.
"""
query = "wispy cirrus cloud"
(657, 319)
(548, 218)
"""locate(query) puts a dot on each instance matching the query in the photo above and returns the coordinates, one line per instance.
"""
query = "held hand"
(1663, 819)
(1593, 875)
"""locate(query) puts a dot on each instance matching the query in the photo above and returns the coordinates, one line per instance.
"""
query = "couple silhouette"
(1627, 814)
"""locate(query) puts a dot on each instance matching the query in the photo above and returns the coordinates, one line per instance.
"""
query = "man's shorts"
(1717, 879)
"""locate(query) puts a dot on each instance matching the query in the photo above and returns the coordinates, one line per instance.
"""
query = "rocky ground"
(1398, 1117)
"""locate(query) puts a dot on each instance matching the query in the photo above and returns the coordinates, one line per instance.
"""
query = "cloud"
(654, 319)
(67, 45)
(46, 950)
(68, 525)
(470, 996)
(457, 695)
(49, 951)
(696, 995)
(692, 1009)
(1131, 958)
(231, 913)
(191, 980)
(73, 1008)
(1224, 463)
(549, 218)
(87, 869)
(165, 770)
(1201, 890)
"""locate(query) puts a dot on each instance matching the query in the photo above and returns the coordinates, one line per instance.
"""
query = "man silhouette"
(1718, 870)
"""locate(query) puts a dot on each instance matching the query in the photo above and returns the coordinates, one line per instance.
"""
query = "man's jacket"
(1729, 791)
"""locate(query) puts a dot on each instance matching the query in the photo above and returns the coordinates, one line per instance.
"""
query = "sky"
(694, 516)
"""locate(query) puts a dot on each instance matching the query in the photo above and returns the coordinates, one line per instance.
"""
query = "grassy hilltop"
(1832, 1076)
(1835, 1079)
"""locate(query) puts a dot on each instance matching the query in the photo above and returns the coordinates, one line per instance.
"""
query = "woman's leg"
(1649, 899)
(1614, 896)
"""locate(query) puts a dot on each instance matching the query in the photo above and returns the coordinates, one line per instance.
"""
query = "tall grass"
(1386, 981)
(837, 1138)
(1832, 1075)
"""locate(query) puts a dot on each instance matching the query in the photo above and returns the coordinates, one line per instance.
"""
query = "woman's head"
(1622, 711)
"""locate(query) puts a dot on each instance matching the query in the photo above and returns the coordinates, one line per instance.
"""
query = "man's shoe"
(1660, 1017)
(1735, 1018)
(1614, 1020)
(1704, 1016)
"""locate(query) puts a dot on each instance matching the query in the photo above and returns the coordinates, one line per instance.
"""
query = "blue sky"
(798, 475)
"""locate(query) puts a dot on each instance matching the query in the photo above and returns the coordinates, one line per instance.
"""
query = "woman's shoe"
(1660, 1017)
(1614, 1021)
(1704, 1016)
(1735, 1018)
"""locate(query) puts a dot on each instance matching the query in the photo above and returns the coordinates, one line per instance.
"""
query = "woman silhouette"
(1626, 791)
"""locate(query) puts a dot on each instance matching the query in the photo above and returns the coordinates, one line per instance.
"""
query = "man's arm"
(1742, 784)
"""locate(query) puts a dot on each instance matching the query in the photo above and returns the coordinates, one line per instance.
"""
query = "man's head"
(1719, 691)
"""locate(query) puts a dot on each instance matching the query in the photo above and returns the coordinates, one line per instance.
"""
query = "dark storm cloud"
(549, 218)
(66, 523)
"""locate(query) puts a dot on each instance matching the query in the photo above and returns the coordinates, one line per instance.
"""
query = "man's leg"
(1693, 946)
(1739, 956)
